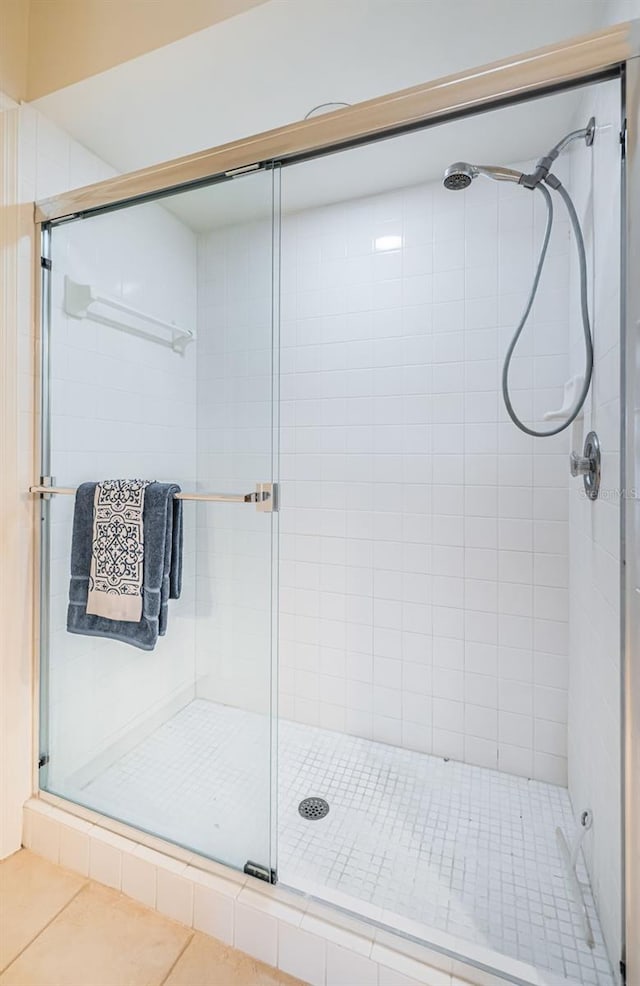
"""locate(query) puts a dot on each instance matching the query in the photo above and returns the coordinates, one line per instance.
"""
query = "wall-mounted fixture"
(570, 857)
(79, 302)
(572, 389)
(459, 176)
(587, 465)
(325, 108)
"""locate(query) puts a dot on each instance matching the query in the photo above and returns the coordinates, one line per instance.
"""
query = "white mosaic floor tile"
(461, 849)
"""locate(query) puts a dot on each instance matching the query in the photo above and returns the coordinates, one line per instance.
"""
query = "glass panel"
(438, 687)
(176, 741)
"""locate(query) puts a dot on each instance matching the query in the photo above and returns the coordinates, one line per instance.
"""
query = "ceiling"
(48, 44)
(270, 65)
(70, 40)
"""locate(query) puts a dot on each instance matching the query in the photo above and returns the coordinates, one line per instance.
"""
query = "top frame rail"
(552, 66)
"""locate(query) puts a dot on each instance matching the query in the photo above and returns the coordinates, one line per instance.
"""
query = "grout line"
(178, 956)
(49, 922)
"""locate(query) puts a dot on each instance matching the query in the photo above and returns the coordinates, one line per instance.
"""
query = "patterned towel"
(161, 567)
(117, 553)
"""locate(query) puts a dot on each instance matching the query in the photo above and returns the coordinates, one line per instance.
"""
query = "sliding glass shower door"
(160, 358)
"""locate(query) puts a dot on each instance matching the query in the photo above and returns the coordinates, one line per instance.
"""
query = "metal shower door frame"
(566, 64)
(630, 515)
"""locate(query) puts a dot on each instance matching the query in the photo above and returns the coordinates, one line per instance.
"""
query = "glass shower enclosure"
(392, 682)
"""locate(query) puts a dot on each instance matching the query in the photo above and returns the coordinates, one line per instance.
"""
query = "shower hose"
(584, 309)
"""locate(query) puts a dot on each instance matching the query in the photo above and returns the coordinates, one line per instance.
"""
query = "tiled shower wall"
(121, 406)
(594, 661)
(424, 539)
(234, 452)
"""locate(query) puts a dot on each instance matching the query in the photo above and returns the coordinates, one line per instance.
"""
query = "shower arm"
(497, 172)
(543, 166)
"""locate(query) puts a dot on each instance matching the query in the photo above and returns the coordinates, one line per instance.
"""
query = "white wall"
(424, 540)
(16, 525)
(594, 680)
(120, 407)
(620, 10)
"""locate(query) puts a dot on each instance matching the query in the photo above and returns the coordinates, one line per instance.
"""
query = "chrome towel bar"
(263, 495)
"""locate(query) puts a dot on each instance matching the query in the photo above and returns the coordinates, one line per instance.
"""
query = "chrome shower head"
(461, 174)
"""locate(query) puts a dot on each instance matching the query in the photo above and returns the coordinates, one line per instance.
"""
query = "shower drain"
(313, 808)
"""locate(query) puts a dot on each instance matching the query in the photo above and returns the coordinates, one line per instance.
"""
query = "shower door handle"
(265, 495)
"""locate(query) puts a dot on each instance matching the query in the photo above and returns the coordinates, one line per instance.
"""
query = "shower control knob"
(579, 464)
(587, 465)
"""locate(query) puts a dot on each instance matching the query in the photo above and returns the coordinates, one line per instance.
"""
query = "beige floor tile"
(32, 892)
(207, 962)
(100, 939)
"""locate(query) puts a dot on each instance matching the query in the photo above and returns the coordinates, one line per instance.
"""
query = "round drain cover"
(313, 808)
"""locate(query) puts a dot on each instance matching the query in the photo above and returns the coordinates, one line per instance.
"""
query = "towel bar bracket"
(47, 481)
(266, 497)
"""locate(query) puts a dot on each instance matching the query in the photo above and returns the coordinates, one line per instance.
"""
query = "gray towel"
(162, 578)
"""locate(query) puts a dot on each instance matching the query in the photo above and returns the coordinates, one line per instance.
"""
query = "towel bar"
(263, 496)
(78, 299)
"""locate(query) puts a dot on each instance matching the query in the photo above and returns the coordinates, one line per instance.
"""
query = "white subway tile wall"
(234, 452)
(423, 538)
(594, 734)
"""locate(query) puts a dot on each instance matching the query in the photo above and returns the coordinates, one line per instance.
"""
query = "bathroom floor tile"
(100, 939)
(207, 962)
(32, 892)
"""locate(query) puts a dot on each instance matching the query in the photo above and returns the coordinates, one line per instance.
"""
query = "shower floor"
(420, 841)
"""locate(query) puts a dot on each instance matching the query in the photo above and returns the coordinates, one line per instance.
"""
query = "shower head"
(461, 174)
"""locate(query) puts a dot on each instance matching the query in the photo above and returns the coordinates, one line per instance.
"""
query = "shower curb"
(297, 934)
